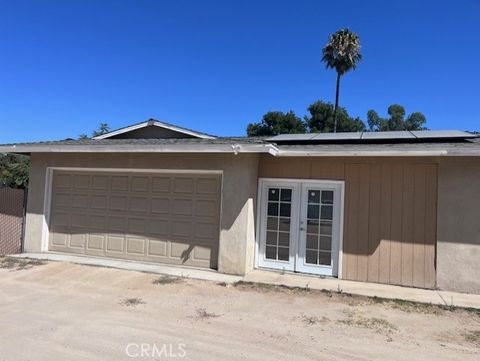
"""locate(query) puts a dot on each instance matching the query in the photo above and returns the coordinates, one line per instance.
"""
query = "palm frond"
(342, 52)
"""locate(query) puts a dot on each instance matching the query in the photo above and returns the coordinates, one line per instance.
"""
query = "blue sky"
(215, 66)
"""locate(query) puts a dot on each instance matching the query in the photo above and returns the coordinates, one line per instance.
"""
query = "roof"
(463, 147)
(414, 143)
(155, 123)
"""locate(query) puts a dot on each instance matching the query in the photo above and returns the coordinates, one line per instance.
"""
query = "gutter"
(157, 148)
(370, 153)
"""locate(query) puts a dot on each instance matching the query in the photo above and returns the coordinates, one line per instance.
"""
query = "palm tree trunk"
(336, 103)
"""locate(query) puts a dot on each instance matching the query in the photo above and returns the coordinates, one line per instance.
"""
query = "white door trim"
(47, 199)
(261, 205)
(261, 260)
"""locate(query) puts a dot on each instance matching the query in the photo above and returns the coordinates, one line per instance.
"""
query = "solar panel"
(388, 135)
(338, 136)
(442, 134)
(292, 137)
(372, 136)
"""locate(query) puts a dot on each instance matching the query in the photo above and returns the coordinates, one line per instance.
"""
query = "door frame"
(260, 208)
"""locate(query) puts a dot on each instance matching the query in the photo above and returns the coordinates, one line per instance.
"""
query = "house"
(398, 208)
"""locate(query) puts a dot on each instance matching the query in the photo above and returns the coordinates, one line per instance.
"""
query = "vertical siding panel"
(419, 226)
(389, 223)
(362, 234)
(430, 225)
(407, 226)
(374, 221)
(327, 170)
(385, 220)
(350, 253)
(396, 226)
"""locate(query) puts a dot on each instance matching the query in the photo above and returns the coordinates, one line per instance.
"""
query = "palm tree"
(342, 53)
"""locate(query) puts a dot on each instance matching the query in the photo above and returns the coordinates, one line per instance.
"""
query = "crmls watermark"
(153, 350)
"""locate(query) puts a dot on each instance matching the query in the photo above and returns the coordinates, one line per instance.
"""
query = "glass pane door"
(319, 229)
(300, 226)
(279, 225)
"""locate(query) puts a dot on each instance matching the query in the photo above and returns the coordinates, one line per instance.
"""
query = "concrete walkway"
(436, 297)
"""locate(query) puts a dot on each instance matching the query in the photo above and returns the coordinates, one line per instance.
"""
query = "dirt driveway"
(60, 311)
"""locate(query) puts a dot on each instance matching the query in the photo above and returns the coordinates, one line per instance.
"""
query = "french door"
(300, 225)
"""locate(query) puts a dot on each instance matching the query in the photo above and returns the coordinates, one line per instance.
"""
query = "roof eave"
(129, 148)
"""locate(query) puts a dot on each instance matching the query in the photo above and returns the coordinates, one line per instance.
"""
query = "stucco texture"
(239, 186)
(458, 229)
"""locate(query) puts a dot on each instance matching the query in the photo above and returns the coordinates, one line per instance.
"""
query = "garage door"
(160, 217)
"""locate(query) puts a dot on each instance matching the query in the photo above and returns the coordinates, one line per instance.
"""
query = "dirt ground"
(61, 311)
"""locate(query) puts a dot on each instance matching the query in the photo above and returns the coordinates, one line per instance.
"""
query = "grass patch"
(355, 300)
(267, 287)
(19, 264)
(472, 337)
(166, 280)
(314, 320)
(379, 325)
(201, 313)
(132, 302)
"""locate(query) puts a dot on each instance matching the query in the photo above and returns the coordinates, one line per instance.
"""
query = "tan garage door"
(160, 217)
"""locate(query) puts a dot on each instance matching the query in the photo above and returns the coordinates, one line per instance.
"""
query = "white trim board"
(154, 123)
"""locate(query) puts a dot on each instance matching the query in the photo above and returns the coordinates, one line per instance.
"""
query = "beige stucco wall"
(237, 238)
(458, 228)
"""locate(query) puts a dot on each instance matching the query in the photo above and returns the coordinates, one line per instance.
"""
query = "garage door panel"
(62, 181)
(136, 245)
(96, 242)
(160, 205)
(118, 203)
(60, 239)
(62, 200)
(81, 182)
(157, 248)
(100, 182)
(119, 183)
(161, 184)
(80, 200)
(117, 224)
(182, 229)
(78, 240)
(159, 227)
(205, 230)
(115, 244)
(98, 201)
(138, 204)
(182, 207)
(140, 184)
(60, 219)
(207, 186)
(137, 226)
(183, 185)
(97, 222)
(167, 218)
(208, 208)
(79, 220)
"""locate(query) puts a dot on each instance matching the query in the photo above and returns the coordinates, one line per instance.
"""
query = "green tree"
(396, 120)
(14, 170)
(341, 53)
(321, 119)
(103, 128)
(276, 122)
